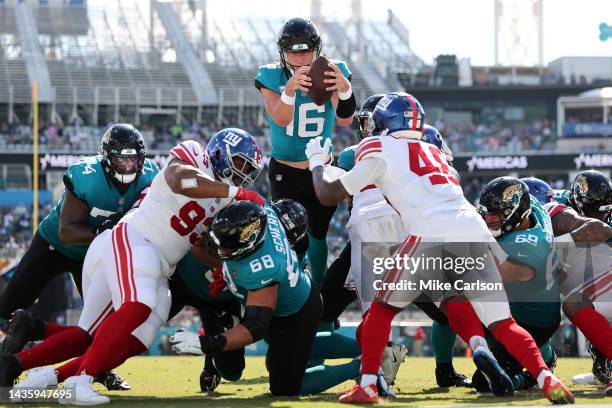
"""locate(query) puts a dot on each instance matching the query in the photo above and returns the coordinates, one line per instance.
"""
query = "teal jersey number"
(90, 185)
(309, 119)
(274, 261)
(539, 297)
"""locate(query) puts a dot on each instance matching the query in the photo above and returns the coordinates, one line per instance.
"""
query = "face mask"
(124, 178)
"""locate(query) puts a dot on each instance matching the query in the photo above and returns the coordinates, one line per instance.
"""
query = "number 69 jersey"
(274, 262)
(416, 180)
(173, 222)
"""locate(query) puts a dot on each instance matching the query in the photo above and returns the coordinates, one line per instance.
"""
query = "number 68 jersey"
(173, 222)
(417, 181)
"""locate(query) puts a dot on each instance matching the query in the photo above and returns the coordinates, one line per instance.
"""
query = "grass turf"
(174, 381)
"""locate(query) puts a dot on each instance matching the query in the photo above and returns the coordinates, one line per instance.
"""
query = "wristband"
(212, 344)
(232, 191)
(347, 94)
(287, 100)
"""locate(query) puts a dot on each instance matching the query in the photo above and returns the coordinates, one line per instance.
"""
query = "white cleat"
(41, 377)
(585, 379)
(393, 356)
(82, 392)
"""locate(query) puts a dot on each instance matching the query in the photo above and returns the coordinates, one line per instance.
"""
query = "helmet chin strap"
(124, 178)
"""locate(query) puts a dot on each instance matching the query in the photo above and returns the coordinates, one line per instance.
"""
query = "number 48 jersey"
(173, 222)
(417, 182)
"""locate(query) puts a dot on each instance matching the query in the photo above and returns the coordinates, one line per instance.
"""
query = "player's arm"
(569, 226)
(280, 107)
(255, 325)
(343, 99)
(73, 227)
(186, 180)
(205, 252)
(514, 271)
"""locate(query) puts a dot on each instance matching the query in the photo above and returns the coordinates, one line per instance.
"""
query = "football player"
(295, 119)
(414, 177)
(529, 272)
(146, 246)
(98, 191)
(581, 219)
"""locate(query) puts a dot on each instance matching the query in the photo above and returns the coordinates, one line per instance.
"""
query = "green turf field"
(174, 381)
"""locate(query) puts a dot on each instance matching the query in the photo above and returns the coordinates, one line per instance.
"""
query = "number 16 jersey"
(173, 222)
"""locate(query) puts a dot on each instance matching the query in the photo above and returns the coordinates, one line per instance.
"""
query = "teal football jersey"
(535, 248)
(274, 261)
(309, 119)
(346, 158)
(87, 180)
(198, 277)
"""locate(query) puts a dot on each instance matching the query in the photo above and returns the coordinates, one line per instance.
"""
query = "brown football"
(317, 91)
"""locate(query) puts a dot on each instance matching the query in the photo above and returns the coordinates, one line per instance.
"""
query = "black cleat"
(210, 378)
(22, 328)
(602, 368)
(447, 377)
(496, 378)
(113, 381)
(10, 370)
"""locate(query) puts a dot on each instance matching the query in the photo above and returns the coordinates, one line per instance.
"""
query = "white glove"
(184, 342)
(316, 154)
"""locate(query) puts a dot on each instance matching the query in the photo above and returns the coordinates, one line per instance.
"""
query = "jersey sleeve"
(75, 178)
(364, 173)
(149, 169)
(553, 208)
(346, 158)
(268, 76)
(344, 69)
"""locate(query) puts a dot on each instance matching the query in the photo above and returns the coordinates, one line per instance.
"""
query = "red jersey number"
(437, 171)
(189, 216)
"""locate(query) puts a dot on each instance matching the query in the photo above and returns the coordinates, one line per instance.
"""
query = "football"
(317, 91)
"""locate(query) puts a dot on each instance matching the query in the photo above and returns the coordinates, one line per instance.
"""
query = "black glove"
(109, 223)
(213, 344)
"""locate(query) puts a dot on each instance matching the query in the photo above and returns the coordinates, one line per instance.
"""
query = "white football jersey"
(420, 186)
(173, 222)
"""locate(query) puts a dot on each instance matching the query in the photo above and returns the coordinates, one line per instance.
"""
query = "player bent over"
(128, 268)
(415, 178)
(99, 190)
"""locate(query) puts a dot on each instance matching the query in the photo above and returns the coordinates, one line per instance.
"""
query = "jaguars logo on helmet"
(239, 229)
(508, 198)
(591, 194)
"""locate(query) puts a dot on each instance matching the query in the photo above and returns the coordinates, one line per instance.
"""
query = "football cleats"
(539, 189)
(123, 151)
(239, 229)
(431, 135)
(591, 193)
(294, 218)
(235, 157)
(364, 118)
(508, 198)
(297, 35)
(398, 111)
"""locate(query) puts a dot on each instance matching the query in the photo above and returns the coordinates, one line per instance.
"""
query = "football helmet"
(539, 189)
(591, 193)
(398, 111)
(298, 35)
(294, 218)
(431, 135)
(508, 198)
(235, 157)
(123, 152)
(239, 229)
(364, 118)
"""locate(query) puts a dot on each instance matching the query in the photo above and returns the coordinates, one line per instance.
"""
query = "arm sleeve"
(264, 79)
(365, 172)
(69, 179)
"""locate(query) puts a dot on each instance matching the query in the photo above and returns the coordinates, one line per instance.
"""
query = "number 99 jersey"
(273, 262)
(173, 222)
(309, 119)
(418, 184)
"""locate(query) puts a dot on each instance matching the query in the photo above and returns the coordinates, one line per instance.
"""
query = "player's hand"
(338, 82)
(245, 194)
(300, 80)
(218, 284)
(109, 223)
(184, 342)
(317, 154)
